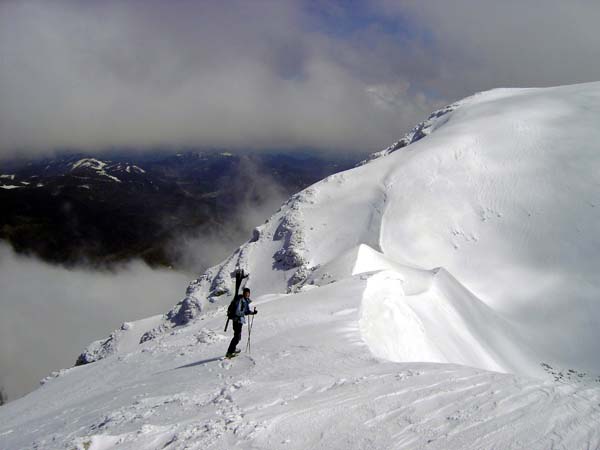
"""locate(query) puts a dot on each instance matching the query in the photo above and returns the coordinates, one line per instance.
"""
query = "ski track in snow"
(406, 304)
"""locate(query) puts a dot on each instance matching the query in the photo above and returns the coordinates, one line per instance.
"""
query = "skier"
(240, 311)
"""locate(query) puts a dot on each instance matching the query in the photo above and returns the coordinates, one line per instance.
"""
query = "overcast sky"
(333, 75)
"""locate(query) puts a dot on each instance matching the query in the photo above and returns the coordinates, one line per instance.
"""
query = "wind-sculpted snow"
(443, 296)
(417, 133)
(443, 322)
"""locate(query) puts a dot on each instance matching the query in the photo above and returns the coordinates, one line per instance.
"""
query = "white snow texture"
(443, 295)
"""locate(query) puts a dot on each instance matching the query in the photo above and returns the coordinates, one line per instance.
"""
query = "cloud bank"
(482, 44)
(265, 74)
(237, 74)
(50, 313)
(257, 196)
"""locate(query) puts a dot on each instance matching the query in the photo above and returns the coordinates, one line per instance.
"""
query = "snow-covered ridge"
(418, 132)
(472, 198)
(66, 170)
(96, 165)
(8, 186)
(102, 167)
(92, 163)
(134, 168)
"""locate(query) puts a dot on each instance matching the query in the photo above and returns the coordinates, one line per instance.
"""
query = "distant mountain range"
(103, 210)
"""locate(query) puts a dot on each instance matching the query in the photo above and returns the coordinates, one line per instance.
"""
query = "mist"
(255, 196)
(95, 76)
(334, 75)
(49, 313)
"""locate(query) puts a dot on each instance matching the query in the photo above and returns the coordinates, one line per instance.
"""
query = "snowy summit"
(443, 295)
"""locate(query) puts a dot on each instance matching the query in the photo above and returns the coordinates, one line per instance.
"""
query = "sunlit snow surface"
(426, 290)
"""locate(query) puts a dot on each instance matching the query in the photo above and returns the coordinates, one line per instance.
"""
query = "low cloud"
(263, 74)
(475, 45)
(50, 313)
(236, 74)
(255, 196)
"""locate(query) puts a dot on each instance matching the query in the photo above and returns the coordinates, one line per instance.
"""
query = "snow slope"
(309, 382)
(443, 295)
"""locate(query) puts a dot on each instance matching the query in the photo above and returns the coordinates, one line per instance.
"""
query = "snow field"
(310, 382)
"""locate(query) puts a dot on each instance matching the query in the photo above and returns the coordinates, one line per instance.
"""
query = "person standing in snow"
(239, 319)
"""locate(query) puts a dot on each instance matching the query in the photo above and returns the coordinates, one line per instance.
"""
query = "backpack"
(233, 307)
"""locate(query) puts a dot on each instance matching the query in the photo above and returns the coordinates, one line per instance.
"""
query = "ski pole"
(249, 333)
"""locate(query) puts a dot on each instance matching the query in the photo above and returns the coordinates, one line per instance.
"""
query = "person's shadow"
(199, 363)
